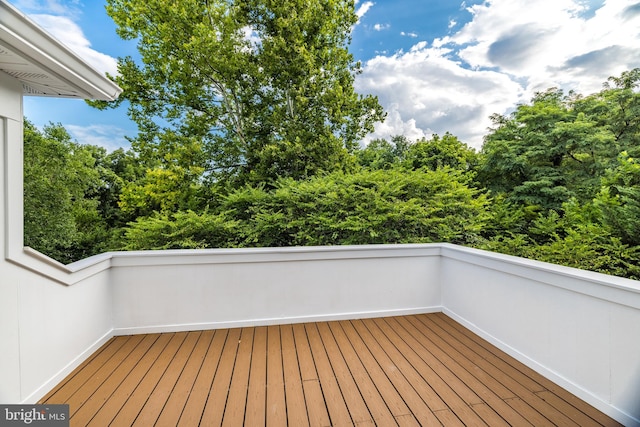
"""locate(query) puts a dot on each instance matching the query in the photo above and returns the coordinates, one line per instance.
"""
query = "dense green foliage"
(71, 194)
(394, 206)
(248, 137)
(256, 89)
(565, 180)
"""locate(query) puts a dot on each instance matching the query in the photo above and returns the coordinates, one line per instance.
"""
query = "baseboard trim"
(41, 391)
(272, 321)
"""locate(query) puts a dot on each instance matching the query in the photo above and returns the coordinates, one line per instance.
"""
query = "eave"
(45, 66)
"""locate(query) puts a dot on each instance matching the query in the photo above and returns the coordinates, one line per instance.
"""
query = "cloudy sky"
(436, 65)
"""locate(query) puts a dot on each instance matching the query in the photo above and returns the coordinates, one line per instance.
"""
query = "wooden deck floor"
(412, 370)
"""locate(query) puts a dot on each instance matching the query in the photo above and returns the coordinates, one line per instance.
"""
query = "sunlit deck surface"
(412, 370)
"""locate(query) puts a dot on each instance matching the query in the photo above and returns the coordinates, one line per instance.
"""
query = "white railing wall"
(46, 328)
(579, 329)
(185, 290)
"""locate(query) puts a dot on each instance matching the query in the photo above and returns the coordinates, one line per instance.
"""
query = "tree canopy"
(563, 174)
(257, 89)
(71, 194)
(547, 152)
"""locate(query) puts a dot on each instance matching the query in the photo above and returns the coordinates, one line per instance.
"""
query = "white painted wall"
(160, 291)
(10, 113)
(578, 328)
(59, 326)
(46, 328)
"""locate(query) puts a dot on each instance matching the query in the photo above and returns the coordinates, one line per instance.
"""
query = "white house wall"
(60, 326)
(10, 110)
(10, 97)
(9, 332)
(46, 328)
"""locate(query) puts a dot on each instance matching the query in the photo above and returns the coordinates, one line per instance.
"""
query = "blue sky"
(436, 66)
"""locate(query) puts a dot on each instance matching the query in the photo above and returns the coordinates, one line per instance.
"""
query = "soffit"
(43, 65)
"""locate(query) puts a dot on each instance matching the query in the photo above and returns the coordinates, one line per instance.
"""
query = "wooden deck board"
(276, 403)
(197, 400)
(295, 401)
(137, 400)
(336, 405)
(84, 370)
(86, 393)
(385, 389)
(406, 371)
(177, 401)
(217, 401)
(237, 399)
(460, 359)
(316, 406)
(423, 388)
(598, 416)
(104, 392)
(370, 393)
(521, 380)
(165, 388)
(350, 393)
(433, 372)
(410, 395)
(257, 392)
(111, 407)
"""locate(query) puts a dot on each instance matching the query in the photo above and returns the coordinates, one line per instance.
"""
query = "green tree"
(117, 169)
(617, 107)
(545, 153)
(438, 152)
(62, 181)
(266, 87)
(433, 153)
(620, 199)
(579, 238)
(48, 214)
(564, 179)
(366, 207)
(382, 154)
(172, 184)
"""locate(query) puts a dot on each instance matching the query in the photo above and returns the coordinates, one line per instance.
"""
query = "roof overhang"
(45, 66)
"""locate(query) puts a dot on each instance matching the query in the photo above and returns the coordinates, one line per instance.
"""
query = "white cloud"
(381, 27)
(424, 92)
(363, 9)
(410, 34)
(552, 42)
(59, 18)
(506, 52)
(107, 136)
(395, 125)
(70, 34)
